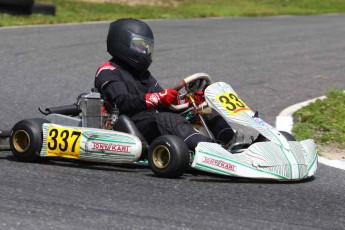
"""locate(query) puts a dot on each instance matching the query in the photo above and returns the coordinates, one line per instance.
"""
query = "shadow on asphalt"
(191, 174)
(226, 179)
(81, 164)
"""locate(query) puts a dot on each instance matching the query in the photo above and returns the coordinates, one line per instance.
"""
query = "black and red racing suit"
(128, 91)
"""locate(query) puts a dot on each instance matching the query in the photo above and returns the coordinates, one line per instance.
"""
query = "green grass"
(323, 120)
(75, 11)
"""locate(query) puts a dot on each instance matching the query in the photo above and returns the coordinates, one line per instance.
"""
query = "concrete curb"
(284, 122)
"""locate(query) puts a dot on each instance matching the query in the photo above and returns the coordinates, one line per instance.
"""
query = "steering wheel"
(192, 84)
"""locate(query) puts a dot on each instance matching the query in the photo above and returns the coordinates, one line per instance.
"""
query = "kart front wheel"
(288, 137)
(168, 156)
(26, 139)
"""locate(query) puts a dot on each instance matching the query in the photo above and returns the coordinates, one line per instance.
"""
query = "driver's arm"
(126, 96)
(110, 84)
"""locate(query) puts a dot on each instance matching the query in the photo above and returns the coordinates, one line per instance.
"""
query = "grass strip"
(323, 120)
(80, 11)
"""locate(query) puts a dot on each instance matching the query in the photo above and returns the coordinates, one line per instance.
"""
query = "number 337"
(61, 140)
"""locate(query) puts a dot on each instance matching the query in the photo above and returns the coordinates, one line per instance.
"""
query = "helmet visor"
(141, 44)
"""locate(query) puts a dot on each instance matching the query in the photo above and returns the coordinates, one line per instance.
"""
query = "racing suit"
(129, 90)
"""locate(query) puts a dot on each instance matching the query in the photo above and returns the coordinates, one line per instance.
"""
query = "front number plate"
(232, 103)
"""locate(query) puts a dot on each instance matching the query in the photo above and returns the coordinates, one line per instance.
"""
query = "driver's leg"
(221, 130)
(146, 123)
(175, 124)
(153, 125)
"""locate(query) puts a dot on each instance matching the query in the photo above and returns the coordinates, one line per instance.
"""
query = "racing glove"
(199, 98)
(166, 97)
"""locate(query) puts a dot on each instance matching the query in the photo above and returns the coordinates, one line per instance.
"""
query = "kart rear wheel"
(168, 156)
(26, 139)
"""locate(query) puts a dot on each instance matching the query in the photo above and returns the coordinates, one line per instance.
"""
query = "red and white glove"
(199, 97)
(166, 97)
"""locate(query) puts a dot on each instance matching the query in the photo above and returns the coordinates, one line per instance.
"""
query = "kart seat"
(126, 125)
(123, 123)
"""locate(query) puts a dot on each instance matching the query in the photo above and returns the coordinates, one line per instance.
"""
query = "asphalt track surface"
(272, 62)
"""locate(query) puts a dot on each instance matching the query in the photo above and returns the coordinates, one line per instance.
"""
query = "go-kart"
(86, 132)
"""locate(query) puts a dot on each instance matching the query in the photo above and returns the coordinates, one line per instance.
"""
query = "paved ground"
(271, 62)
(332, 153)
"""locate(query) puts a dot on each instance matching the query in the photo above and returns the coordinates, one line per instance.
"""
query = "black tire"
(17, 7)
(168, 156)
(288, 136)
(26, 139)
(18, 3)
(43, 9)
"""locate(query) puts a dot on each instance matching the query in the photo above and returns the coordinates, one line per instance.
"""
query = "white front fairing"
(279, 159)
(241, 113)
(265, 160)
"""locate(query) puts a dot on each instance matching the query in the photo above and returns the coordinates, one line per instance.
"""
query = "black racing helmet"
(131, 41)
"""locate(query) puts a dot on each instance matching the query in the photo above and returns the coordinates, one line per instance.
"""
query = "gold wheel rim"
(161, 157)
(21, 141)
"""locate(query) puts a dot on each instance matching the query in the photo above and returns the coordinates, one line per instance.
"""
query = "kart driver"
(126, 81)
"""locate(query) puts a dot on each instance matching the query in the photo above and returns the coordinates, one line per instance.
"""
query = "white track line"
(284, 122)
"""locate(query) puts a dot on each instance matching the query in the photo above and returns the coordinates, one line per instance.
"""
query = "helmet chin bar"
(130, 64)
(139, 66)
